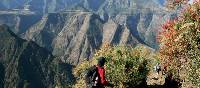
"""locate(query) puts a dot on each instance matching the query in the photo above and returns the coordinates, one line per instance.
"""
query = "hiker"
(98, 75)
(101, 71)
(157, 68)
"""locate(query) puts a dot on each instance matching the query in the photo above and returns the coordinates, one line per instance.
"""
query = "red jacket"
(101, 72)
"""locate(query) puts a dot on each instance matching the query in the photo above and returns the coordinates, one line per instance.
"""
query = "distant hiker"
(157, 68)
(95, 77)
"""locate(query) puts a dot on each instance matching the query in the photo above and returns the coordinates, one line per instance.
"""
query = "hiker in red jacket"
(101, 71)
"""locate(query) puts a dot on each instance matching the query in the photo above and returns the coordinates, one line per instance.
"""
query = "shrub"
(180, 45)
(125, 67)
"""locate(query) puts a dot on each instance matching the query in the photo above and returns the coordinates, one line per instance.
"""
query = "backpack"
(91, 76)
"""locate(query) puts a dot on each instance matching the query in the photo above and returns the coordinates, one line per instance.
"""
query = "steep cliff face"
(44, 31)
(24, 64)
(78, 39)
(78, 36)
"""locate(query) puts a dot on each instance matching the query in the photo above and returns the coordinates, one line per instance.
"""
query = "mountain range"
(39, 50)
(73, 29)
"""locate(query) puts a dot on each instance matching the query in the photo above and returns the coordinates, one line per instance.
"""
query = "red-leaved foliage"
(180, 41)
